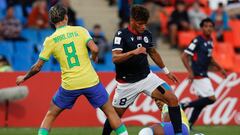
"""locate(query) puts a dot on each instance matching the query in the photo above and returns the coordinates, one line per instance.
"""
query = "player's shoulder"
(78, 28)
(197, 39)
(121, 32)
(48, 39)
(147, 32)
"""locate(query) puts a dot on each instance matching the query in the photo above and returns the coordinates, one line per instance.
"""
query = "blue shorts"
(96, 95)
(168, 128)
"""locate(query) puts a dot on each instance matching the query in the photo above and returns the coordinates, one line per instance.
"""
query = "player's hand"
(139, 51)
(190, 77)
(20, 79)
(94, 58)
(173, 77)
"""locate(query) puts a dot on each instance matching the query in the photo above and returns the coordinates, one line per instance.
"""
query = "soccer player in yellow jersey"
(68, 44)
(165, 127)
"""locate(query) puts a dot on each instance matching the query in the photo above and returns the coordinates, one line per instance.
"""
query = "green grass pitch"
(207, 130)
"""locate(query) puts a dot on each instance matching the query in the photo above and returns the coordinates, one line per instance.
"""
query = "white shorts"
(203, 87)
(126, 93)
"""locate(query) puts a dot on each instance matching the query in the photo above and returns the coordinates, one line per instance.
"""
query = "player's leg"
(199, 102)
(165, 94)
(98, 97)
(159, 89)
(61, 100)
(203, 88)
(125, 95)
(107, 129)
(49, 118)
(113, 120)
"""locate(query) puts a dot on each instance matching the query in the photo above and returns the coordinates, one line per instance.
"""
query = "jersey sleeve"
(150, 38)
(87, 37)
(192, 47)
(46, 50)
(118, 41)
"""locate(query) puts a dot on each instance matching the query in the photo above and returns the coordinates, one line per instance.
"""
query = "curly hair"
(57, 13)
(139, 13)
(205, 21)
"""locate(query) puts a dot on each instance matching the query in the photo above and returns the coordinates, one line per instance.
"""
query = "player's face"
(140, 26)
(207, 28)
(159, 104)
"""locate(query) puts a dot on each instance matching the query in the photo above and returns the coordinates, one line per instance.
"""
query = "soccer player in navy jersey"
(197, 58)
(130, 49)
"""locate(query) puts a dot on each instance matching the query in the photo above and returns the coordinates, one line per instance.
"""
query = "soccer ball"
(199, 134)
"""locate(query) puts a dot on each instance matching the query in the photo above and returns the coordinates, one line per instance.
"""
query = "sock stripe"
(43, 131)
(121, 130)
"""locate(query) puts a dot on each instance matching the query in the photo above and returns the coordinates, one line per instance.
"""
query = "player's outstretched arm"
(158, 60)
(34, 70)
(156, 57)
(186, 60)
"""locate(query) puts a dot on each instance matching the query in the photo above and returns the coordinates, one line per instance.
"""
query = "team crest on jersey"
(145, 39)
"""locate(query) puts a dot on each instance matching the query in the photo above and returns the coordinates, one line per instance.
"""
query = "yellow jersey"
(68, 45)
(183, 115)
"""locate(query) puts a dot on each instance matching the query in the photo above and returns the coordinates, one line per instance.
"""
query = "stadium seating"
(6, 49)
(185, 37)
(19, 14)
(43, 34)
(236, 67)
(21, 62)
(232, 37)
(80, 22)
(3, 6)
(24, 47)
(30, 34)
(223, 53)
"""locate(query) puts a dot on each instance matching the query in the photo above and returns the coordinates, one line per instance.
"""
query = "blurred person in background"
(220, 18)
(4, 64)
(38, 17)
(179, 21)
(101, 42)
(233, 9)
(165, 127)
(123, 12)
(71, 12)
(154, 24)
(196, 15)
(11, 26)
(111, 2)
(26, 4)
(197, 59)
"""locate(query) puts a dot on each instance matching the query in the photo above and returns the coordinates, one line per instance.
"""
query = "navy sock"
(107, 129)
(176, 119)
(200, 102)
(195, 114)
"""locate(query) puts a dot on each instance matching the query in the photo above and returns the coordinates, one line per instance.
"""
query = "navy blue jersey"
(136, 67)
(201, 51)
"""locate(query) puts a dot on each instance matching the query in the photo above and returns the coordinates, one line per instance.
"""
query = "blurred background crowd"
(24, 25)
